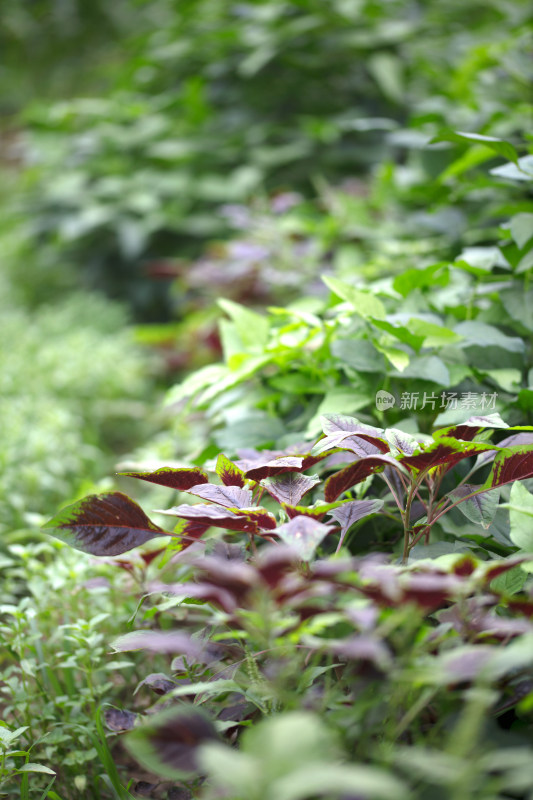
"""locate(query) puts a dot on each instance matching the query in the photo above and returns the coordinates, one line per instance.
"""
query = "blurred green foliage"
(211, 102)
(72, 394)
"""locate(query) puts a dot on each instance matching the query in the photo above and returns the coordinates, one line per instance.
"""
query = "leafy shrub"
(392, 669)
(437, 335)
(217, 101)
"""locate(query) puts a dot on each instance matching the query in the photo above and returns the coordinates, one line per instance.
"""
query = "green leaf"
(520, 507)
(326, 778)
(31, 767)
(364, 302)
(398, 358)
(252, 328)
(399, 332)
(521, 171)
(481, 508)
(522, 229)
(411, 279)
(498, 146)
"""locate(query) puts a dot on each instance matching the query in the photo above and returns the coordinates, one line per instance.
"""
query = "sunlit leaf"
(228, 472)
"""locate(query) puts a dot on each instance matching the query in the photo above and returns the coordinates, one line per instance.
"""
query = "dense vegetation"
(320, 218)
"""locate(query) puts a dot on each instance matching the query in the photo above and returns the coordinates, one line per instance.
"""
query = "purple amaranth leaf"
(263, 519)
(229, 473)
(158, 642)
(346, 441)
(227, 496)
(509, 441)
(158, 682)
(362, 647)
(290, 487)
(189, 532)
(250, 459)
(118, 720)
(304, 535)
(232, 519)
(404, 442)
(179, 479)
(445, 451)
(354, 473)
(351, 512)
(479, 508)
(510, 464)
(316, 511)
(204, 591)
(275, 466)
(104, 525)
(466, 431)
(167, 743)
(335, 423)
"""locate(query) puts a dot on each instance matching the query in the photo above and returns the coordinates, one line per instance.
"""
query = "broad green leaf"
(481, 508)
(525, 263)
(521, 517)
(398, 358)
(360, 354)
(206, 376)
(252, 328)
(31, 767)
(521, 171)
(324, 778)
(483, 335)
(522, 229)
(411, 279)
(364, 302)
(498, 146)
(399, 332)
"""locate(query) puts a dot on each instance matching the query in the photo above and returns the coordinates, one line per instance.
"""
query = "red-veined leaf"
(357, 472)
(290, 487)
(104, 525)
(179, 479)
